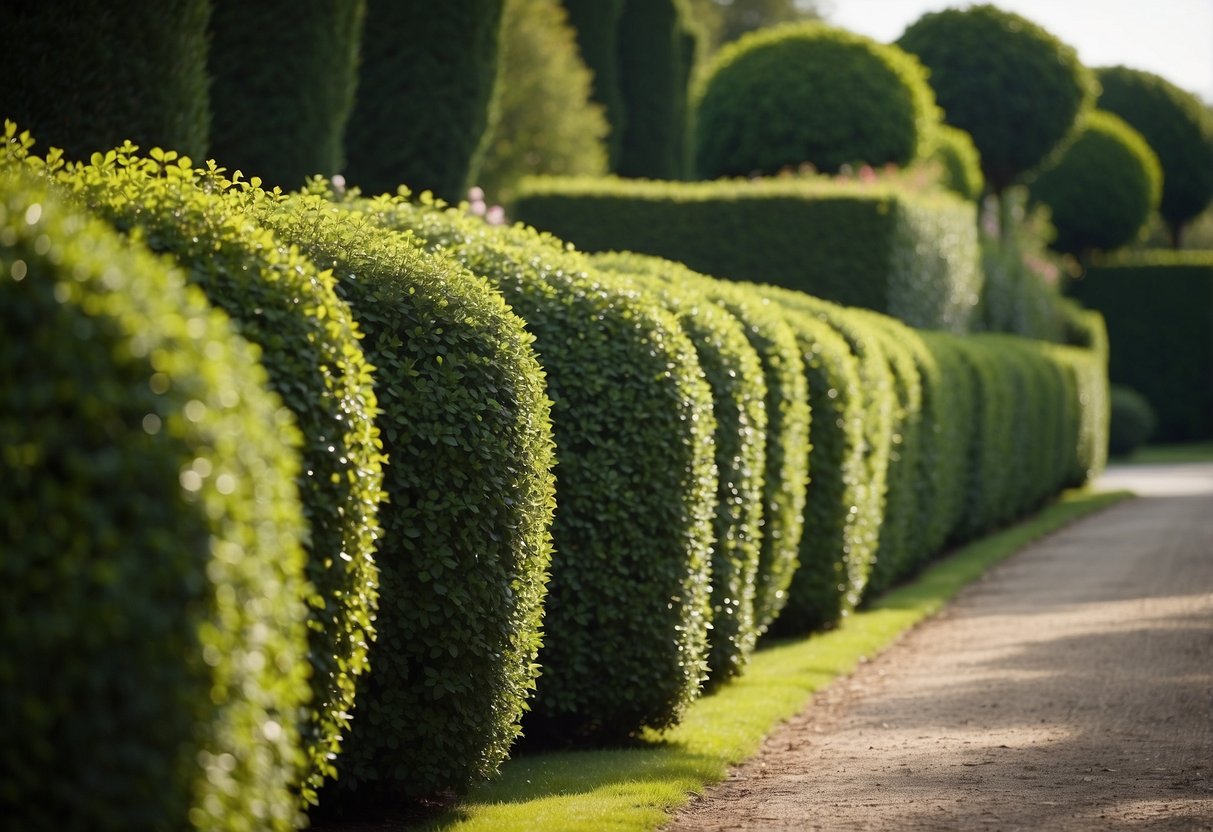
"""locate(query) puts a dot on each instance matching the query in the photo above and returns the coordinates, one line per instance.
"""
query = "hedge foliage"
(959, 162)
(1133, 421)
(636, 485)
(912, 256)
(153, 588)
(597, 25)
(1159, 312)
(466, 530)
(425, 91)
(1102, 188)
(85, 75)
(809, 93)
(283, 76)
(1014, 87)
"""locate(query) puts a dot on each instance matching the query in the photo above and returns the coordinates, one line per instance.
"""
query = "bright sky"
(1171, 38)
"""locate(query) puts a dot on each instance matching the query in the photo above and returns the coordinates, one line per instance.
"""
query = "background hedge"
(597, 25)
(960, 163)
(153, 589)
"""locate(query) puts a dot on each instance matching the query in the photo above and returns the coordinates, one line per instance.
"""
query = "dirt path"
(1071, 688)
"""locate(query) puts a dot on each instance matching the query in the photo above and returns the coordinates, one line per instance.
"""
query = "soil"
(1071, 688)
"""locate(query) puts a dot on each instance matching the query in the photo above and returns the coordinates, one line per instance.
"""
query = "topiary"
(1102, 188)
(1177, 127)
(152, 578)
(959, 162)
(1133, 420)
(809, 93)
(1015, 88)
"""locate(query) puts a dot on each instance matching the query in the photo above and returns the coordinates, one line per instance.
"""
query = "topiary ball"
(959, 162)
(1102, 189)
(809, 93)
(1133, 420)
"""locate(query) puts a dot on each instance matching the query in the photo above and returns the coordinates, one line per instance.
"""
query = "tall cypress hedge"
(425, 90)
(597, 25)
(283, 76)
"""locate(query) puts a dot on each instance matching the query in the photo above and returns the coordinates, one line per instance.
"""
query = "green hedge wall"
(84, 75)
(597, 26)
(153, 587)
(636, 484)
(1159, 312)
(914, 257)
(466, 543)
(283, 76)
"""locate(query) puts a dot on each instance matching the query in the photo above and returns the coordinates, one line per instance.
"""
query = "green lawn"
(1161, 454)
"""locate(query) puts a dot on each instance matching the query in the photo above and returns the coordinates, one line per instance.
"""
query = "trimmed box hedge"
(912, 256)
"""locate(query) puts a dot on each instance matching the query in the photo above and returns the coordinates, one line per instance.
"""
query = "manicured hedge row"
(153, 588)
(914, 257)
(1159, 312)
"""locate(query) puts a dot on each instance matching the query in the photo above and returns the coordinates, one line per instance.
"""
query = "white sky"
(1171, 38)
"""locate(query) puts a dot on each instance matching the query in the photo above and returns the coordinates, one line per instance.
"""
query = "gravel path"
(1069, 689)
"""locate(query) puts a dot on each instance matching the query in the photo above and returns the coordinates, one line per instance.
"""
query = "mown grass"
(1168, 454)
(633, 789)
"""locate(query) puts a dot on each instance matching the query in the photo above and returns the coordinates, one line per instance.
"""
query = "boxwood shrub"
(153, 588)
(1133, 421)
(912, 256)
(636, 480)
(466, 530)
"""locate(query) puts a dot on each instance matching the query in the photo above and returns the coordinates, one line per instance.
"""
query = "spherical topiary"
(1015, 88)
(960, 164)
(1177, 127)
(151, 581)
(807, 92)
(1133, 420)
(1102, 188)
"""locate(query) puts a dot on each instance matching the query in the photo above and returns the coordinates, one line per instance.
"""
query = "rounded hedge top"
(1102, 188)
(1178, 128)
(1014, 87)
(960, 163)
(811, 93)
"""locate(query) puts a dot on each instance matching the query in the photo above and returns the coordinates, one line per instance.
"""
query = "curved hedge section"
(152, 579)
(466, 530)
(960, 163)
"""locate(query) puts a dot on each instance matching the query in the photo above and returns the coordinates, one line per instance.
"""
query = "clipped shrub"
(1177, 126)
(636, 484)
(912, 256)
(466, 529)
(282, 86)
(809, 93)
(1007, 82)
(425, 90)
(959, 162)
(734, 372)
(86, 75)
(310, 347)
(1102, 188)
(597, 25)
(153, 587)
(1133, 420)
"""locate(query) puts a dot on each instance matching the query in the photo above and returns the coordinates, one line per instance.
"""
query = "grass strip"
(1168, 454)
(634, 789)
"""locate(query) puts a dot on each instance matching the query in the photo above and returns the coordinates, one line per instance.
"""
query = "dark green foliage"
(1177, 126)
(625, 622)
(1159, 312)
(1014, 87)
(309, 342)
(1102, 188)
(1133, 421)
(959, 162)
(84, 75)
(466, 543)
(734, 371)
(809, 93)
(654, 57)
(597, 25)
(283, 76)
(911, 256)
(152, 578)
(425, 88)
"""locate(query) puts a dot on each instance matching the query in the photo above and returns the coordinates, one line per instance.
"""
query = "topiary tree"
(1015, 88)
(1102, 188)
(282, 86)
(1178, 128)
(425, 89)
(952, 149)
(596, 23)
(809, 93)
(85, 75)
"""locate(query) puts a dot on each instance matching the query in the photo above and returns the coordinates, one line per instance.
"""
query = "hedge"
(153, 588)
(1159, 312)
(310, 347)
(466, 530)
(734, 372)
(283, 76)
(914, 257)
(960, 163)
(636, 484)
(85, 75)
(597, 26)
